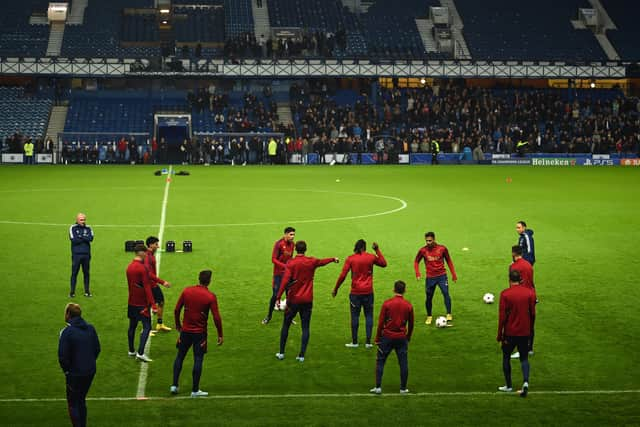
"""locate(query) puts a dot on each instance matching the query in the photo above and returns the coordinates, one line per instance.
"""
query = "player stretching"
(140, 298)
(361, 297)
(517, 316)
(523, 267)
(282, 252)
(197, 301)
(299, 277)
(150, 263)
(434, 256)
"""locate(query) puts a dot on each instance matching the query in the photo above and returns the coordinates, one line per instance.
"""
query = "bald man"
(81, 237)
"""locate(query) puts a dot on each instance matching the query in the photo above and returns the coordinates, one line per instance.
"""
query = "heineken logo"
(553, 162)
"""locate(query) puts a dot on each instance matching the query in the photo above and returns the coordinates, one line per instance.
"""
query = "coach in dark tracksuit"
(81, 237)
(78, 350)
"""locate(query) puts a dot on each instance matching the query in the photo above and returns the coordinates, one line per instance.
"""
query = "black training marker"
(170, 246)
(187, 246)
(129, 245)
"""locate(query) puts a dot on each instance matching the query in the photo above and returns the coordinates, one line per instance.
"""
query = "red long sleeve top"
(301, 270)
(197, 302)
(281, 254)
(396, 319)
(434, 261)
(517, 312)
(361, 266)
(150, 264)
(139, 285)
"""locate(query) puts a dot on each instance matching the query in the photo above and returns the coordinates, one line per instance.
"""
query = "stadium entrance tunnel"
(174, 128)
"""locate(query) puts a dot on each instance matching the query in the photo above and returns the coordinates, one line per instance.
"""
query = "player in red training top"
(197, 302)
(140, 298)
(298, 277)
(525, 269)
(395, 327)
(361, 297)
(434, 256)
(282, 252)
(517, 316)
(150, 263)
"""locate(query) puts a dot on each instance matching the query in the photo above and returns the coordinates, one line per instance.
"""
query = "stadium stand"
(102, 31)
(511, 30)
(625, 15)
(23, 114)
(391, 30)
(199, 25)
(238, 17)
(17, 36)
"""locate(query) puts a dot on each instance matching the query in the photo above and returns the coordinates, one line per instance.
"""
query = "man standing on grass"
(525, 241)
(523, 267)
(361, 297)
(81, 237)
(281, 253)
(78, 350)
(515, 325)
(140, 299)
(299, 279)
(197, 302)
(395, 326)
(150, 264)
(434, 256)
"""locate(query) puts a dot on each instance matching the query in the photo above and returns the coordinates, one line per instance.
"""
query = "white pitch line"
(403, 205)
(144, 366)
(331, 395)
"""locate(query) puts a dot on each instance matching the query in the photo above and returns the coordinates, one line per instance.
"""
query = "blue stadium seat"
(19, 113)
(625, 16)
(508, 30)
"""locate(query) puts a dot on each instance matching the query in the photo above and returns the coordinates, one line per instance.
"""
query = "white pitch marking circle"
(403, 205)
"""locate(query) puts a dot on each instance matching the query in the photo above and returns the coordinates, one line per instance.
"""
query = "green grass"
(586, 231)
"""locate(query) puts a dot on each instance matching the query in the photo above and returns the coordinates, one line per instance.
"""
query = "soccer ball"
(282, 306)
(441, 322)
(488, 298)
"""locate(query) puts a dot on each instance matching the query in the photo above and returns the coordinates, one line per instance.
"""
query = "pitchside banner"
(12, 158)
(44, 158)
(595, 160)
(629, 162)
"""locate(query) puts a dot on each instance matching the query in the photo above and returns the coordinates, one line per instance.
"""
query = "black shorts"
(157, 294)
(198, 341)
(522, 343)
(135, 313)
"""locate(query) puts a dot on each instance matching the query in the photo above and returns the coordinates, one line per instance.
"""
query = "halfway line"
(144, 367)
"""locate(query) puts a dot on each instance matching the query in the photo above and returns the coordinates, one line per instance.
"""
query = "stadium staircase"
(57, 120)
(56, 34)
(261, 24)
(425, 28)
(76, 16)
(461, 49)
(601, 34)
(284, 113)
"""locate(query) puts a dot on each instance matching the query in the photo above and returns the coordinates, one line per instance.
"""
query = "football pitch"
(587, 228)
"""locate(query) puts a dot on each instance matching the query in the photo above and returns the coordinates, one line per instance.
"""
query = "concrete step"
(284, 113)
(56, 34)
(425, 28)
(57, 119)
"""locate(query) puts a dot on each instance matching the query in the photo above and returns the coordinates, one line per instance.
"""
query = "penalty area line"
(328, 396)
(144, 366)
